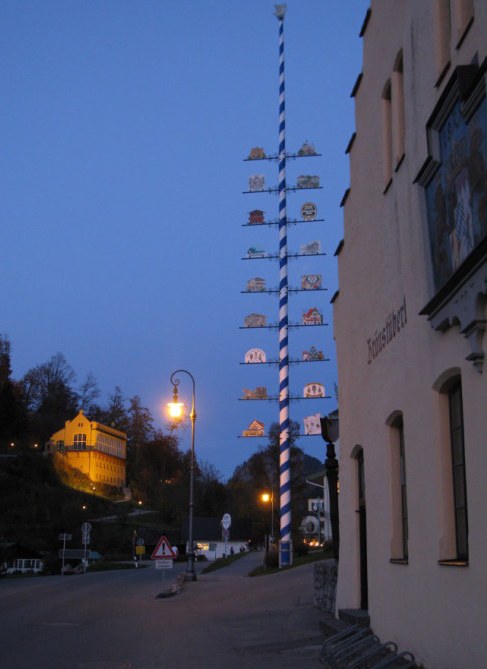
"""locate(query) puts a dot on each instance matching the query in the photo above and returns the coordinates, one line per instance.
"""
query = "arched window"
(387, 134)
(457, 444)
(454, 549)
(400, 531)
(397, 86)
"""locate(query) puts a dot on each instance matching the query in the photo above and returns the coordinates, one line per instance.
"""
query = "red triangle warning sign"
(163, 550)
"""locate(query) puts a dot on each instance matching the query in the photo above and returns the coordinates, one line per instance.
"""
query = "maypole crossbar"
(285, 544)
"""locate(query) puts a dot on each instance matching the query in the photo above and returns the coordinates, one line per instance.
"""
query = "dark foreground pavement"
(235, 621)
(116, 620)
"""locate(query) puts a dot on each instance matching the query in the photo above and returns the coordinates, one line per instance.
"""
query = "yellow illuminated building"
(94, 449)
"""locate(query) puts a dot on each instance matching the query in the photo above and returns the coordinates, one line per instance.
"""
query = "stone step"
(355, 617)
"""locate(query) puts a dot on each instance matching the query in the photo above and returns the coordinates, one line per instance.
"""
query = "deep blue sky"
(124, 127)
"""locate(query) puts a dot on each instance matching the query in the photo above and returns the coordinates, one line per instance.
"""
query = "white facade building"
(409, 324)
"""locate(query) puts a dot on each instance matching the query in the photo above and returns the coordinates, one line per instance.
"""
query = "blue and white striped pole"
(285, 552)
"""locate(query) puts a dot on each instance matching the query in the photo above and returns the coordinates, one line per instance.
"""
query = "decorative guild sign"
(311, 281)
(255, 429)
(256, 284)
(255, 355)
(306, 181)
(307, 149)
(257, 153)
(254, 252)
(256, 182)
(256, 217)
(312, 424)
(260, 393)
(312, 317)
(313, 354)
(314, 390)
(311, 249)
(255, 321)
(309, 211)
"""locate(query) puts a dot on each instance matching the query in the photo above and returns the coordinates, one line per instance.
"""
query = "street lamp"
(176, 412)
(329, 432)
(269, 497)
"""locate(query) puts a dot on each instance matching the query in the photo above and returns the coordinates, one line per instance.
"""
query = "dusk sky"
(125, 125)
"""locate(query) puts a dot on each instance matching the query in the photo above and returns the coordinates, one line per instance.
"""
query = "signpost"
(226, 522)
(64, 537)
(86, 536)
(163, 554)
(163, 550)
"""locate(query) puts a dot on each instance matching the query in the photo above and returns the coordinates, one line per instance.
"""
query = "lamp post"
(176, 411)
(329, 432)
(269, 497)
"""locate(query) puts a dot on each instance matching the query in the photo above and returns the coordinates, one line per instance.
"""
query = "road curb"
(175, 588)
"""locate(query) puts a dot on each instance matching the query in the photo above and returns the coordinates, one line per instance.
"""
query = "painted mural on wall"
(457, 195)
(255, 355)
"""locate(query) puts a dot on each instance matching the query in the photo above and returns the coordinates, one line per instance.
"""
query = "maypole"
(311, 317)
(285, 552)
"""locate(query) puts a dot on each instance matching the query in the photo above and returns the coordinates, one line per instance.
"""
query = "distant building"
(209, 537)
(409, 322)
(94, 449)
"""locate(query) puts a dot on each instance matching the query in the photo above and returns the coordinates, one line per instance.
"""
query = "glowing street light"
(175, 407)
(176, 412)
(269, 497)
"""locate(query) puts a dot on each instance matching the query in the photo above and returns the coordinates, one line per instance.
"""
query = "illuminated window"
(79, 442)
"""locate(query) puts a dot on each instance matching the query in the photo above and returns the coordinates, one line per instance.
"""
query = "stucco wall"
(434, 610)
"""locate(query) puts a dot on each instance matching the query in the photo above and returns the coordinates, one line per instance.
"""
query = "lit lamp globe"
(175, 410)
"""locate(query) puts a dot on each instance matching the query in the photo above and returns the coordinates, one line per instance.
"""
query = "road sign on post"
(163, 550)
(64, 536)
(226, 522)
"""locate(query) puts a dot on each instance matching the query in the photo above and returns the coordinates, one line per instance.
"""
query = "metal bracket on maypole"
(285, 543)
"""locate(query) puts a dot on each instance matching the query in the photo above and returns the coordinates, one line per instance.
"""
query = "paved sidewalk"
(236, 622)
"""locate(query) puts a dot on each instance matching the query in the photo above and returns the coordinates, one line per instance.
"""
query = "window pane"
(462, 536)
(459, 487)
(457, 448)
(458, 470)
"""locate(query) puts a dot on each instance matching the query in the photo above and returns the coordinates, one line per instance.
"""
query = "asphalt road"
(114, 620)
